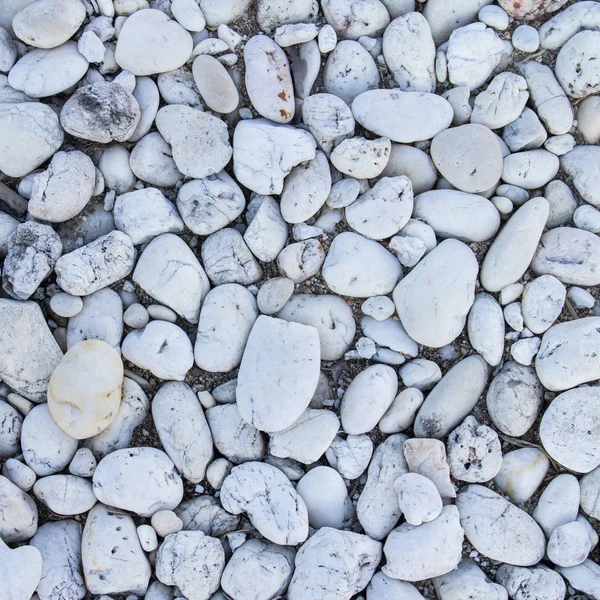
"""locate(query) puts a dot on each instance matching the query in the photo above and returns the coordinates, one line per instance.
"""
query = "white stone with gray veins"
(227, 259)
(65, 495)
(444, 16)
(526, 132)
(266, 495)
(267, 232)
(183, 430)
(145, 214)
(569, 429)
(360, 268)
(101, 112)
(226, 318)
(350, 456)
(427, 457)
(268, 79)
(302, 260)
(122, 475)
(329, 315)
(264, 153)
(403, 117)
(8, 226)
(513, 248)
(498, 529)
(31, 134)
(558, 503)
(204, 513)
(542, 302)
(233, 437)
(409, 52)
(209, 204)
(274, 294)
(514, 399)
(19, 474)
(329, 119)
(485, 326)
(575, 66)
(436, 548)
(199, 140)
(112, 558)
(569, 544)
(147, 95)
(349, 71)
(308, 438)
(418, 498)
(96, 265)
(336, 564)
(584, 577)
(530, 169)
(59, 543)
(567, 356)
(170, 273)
(558, 30)
(47, 449)
(474, 452)
(352, 19)
(468, 582)
(162, 348)
(32, 253)
(18, 514)
(193, 562)
(20, 571)
(433, 300)
(377, 508)
(42, 73)
(305, 63)
(151, 160)
(474, 53)
(537, 583)
(581, 164)
(10, 430)
(456, 214)
(305, 189)
(8, 51)
(361, 158)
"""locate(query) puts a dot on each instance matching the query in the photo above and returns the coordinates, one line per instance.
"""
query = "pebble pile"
(300, 299)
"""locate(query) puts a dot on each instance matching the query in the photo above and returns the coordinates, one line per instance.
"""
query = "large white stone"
(20, 571)
(267, 232)
(418, 498)
(580, 163)
(558, 503)
(468, 581)
(576, 68)
(537, 583)
(360, 157)
(65, 495)
(151, 160)
(502, 102)
(427, 457)
(19, 517)
(542, 302)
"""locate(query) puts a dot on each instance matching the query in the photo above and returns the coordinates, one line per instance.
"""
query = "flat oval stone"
(572, 255)
(404, 117)
(454, 214)
(542, 302)
(268, 79)
(581, 164)
(469, 157)
(498, 529)
(42, 73)
(530, 169)
(567, 355)
(279, 373)
(19, 520)
(576, 68)
(215, 84)
(569, 429)
(433, 300)
(65, 495)
(151, 161)
(149, 42)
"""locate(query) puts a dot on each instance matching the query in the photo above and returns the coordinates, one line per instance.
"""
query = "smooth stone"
(31, 134)
(401, 413)
(116, 170)
(274, 294)
(455, 214)
(588, 218)
(233, 437)
(433, 300)
(183, 430)
(458, 98)
(580, 298)
(392, 113)
(257, 569)
(204, 513)
(188, 14)
(562, 27)
(10, 430)
(485, 327)
(274, 13)
(327, 39)
(468, 580)
(145, 214)
(349, 71)
(542, 303)
(266, 495)
(65, 495)
(147, 96)
(565, 426)
(355, 18)
(267, 232)
(426, 560)
(537, 583)
(126, 569)
(444, 17)
(530, 9)
(514, 247)
(329, 315)
(468, 156)
(121, 475)
(161, 348)
(101, 112)
(570, 255)
(409, 52)
(149, 42)
(415, 164)
(42, 73)
(324, 493)
(350, 456)
(48, 23)
(526, 132)
(569, 544)
(215, 84)
(305, 65)
(389, 334)
(420, 373)
(178, 87)
(584, 577)
(379, 308)
(418, 498)
(217, 12)
(361, 158)
(19, 519)
(264, 153)
(580, 164)
(522, 473)
(170, 273)
(562, 203)
(566, 356)
(588, 113)
(199, 141)
(498, 529)
(530, 169)
(334, 563)
(474, 452)
(590, 492)
(427, 457)
(524, 350)
(575, 67)
(83, 463)
(298, 33)
(20, 571)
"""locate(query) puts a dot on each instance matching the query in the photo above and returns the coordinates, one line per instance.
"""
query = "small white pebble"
(19, 473)
(365, 347)
(560, 144)
(302, 231)
(21, 404)
(165, 522)
(580, 298)
(148, 539)
(494, 16)
(210, 46)
(66, 305)
(206, 399)
(245, 113)
(513, 316)
(327, 39)
(510, 293)
(524, 350)
(503, 204)
(232, 38)
(441, 67)
(109, 200)
(587, 217)
(162, 313)
(83, 463)
(297, 33)
(199, 489)
(378, 307)
(217, 471)
(136, 316)
(526, 38)
(228, 60)
(235, 540)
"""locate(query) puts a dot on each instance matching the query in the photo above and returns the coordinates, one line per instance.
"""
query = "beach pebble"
(65, 305)
(579, 164)
(427, 457)
(350, 456)
(569, 544)
(419, 500)
(542, 303)
(575, 69)
(420, 373)
(19, 519)
(588, 218)
(562, 203)
(274, 294)
(401, 413)
(587, 119)
(65, 495)
(361, 158)
(537, 583)
(204, 513)
(444, 17)
(165, 522)
(20, 571)
(580, 298)
(521, 474)
(267, 234)
(10, 430)
(485, 326)
(526, 132)
(468, 580)
(558, 503)
(83, 464)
